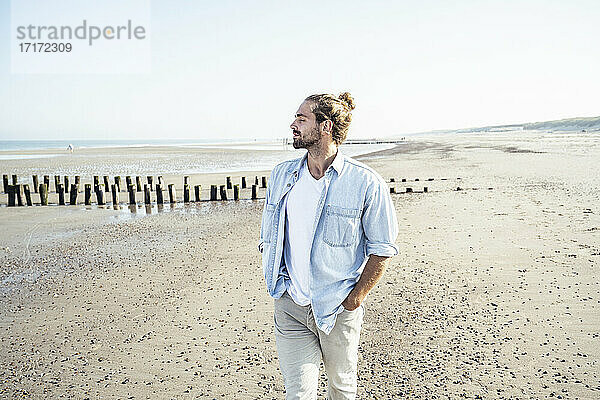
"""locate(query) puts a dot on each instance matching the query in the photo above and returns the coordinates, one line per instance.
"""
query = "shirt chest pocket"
(341, 226)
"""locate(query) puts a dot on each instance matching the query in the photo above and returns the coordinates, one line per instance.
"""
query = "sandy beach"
(495, 292)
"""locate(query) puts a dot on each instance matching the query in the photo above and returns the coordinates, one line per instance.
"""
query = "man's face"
(305, 128)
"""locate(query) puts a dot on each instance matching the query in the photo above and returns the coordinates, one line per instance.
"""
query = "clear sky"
(239, 69)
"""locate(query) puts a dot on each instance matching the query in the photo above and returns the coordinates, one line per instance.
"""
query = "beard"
(311, 138)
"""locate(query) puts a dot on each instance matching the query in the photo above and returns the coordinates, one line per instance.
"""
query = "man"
(328, 229)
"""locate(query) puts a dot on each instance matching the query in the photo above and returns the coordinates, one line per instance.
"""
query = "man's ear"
(327, 126)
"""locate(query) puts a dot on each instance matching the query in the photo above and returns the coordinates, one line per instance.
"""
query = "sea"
(15, 145)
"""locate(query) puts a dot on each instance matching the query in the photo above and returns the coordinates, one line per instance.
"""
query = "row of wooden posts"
(408, 189)
(20, 194)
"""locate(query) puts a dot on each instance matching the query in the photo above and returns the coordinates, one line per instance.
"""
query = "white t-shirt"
(300, 213)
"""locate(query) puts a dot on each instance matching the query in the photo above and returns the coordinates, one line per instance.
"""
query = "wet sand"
(494, 293)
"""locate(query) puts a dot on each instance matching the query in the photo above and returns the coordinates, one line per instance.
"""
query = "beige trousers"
(301, 346)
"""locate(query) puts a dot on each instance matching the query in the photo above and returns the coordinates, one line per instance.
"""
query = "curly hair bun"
(348, 99)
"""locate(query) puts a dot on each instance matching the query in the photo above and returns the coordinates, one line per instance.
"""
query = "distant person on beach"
(70, 148)
(328, 230)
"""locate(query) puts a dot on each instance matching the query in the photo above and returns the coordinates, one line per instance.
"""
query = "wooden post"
(47, 182)
(416, 179)
(36, 183)
(118, 183)
(100, 194)
(115, 194)
(256, 180)
(5, 183)
(392, 190)
(12, 195)
(74, 193)
(254, 190)
(236, 192)
(425, 189)
(197, 192)
(263, 182)
(15, 179)
(61, 194)
(186, 180)
(56, 182)
(66, 184)
(243, 182)
(172, 194)
(43, 190)
(27, 194)
(138, 183)
(159, 194)
(19, 195)
(106, 183)
(228, 180)
(77, 181)
(161, 181)
(131, 189)
(429, 179)
(128, 181)
(149, 179)
(392, 180)
(186, 193)
(88, 194)
(96, 183)
(223, 192)
(213, 192)
(408, 190)
(403, 179)
(147, 199)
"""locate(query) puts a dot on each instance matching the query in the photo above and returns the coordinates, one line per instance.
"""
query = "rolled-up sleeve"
(379, 221)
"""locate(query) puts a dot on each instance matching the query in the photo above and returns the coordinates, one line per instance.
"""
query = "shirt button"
(289, 185)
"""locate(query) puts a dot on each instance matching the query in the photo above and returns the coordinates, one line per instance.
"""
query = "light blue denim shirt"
(355, 218)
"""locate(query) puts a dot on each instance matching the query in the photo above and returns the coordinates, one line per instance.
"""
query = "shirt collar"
(338, 162)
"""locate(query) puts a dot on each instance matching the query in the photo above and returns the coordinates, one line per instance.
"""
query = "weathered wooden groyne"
(105, 189)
